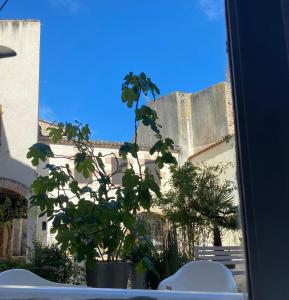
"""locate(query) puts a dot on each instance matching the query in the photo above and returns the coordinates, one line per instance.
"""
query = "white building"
(19, 90)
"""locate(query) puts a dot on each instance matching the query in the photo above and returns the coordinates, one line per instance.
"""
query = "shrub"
(96, 222)
(53, 264)
(10, 263)
(168, 261)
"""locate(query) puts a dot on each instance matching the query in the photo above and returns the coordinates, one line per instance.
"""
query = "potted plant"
(95, 222)
(141, 256)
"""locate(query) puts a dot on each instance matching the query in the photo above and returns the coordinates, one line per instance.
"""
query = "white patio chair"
(22, 277)
(201, 276)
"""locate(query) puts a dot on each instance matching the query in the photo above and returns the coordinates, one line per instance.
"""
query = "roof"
(19, 20)
(225, 139)
(96, 143)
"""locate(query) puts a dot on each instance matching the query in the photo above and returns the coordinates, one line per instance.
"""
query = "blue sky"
(87, 46)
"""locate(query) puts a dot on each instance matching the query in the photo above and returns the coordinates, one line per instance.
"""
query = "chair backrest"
(201, 276)
(25, 278)
(230, 256)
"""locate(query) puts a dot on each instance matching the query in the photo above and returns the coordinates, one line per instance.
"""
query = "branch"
(4, 4)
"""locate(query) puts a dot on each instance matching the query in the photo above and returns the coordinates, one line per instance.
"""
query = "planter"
(138, 280)
(108, 275)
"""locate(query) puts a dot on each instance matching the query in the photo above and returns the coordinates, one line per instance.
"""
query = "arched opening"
(13, 223)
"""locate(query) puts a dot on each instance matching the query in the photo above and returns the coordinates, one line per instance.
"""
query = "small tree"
(200, 204)
(98, 223)
(216, 199)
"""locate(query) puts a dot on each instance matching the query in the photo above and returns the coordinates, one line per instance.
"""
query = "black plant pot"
(138, 280)
(108, 275)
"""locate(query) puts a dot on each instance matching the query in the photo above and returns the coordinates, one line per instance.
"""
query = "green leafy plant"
(168, 260)
(200, 204)
(10, 263)
(141, 255)
(48, 262)
(53, 264)
(98, 223)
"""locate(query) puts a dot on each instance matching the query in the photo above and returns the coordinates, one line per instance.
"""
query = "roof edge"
(226, 139)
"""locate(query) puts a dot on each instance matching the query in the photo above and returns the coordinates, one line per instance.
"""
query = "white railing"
(68, 293)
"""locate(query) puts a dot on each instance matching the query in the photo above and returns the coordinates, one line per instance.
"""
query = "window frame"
(257, 46)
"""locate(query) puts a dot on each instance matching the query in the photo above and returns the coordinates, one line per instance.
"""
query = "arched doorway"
(13, 218)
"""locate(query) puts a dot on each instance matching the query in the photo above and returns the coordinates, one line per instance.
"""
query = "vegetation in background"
(99, 223)
(48, 262)
(141, 254)
(167, 261)
(200, 205)
(53, 264)
(11, 209)
(10, 263)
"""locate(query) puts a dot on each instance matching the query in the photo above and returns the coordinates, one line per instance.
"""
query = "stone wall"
(193, 121)
(209, 116)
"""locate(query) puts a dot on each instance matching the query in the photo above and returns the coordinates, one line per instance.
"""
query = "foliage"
(200, 204)
(11, 209)
(48, 262)
(53, 264)
(97, 220)
(10, 263)
(141, 255)
(167, 261)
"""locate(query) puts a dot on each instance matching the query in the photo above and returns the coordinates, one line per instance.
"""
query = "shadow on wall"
(15, 234)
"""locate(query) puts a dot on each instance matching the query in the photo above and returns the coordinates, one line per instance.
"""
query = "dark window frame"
(258, 53)
(44, 226)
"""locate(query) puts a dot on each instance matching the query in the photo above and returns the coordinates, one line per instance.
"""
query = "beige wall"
(193, 120)
(69, 150)
(223, 153)
(19, 91)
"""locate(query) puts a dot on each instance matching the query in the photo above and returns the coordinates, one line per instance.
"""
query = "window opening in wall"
(44, 226)
(81, 179)
(118, 167)
(153, 169)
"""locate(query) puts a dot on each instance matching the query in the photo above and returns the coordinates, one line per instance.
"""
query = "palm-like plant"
(216, 202)
(199, 201)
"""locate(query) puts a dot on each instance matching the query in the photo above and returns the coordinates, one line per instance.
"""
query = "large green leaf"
(84, 164)
(38, 152)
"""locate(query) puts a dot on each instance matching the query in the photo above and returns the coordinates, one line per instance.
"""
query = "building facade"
(196, 120)
(19, 90)
(20, 128)
(201, 124)
(67, 149)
